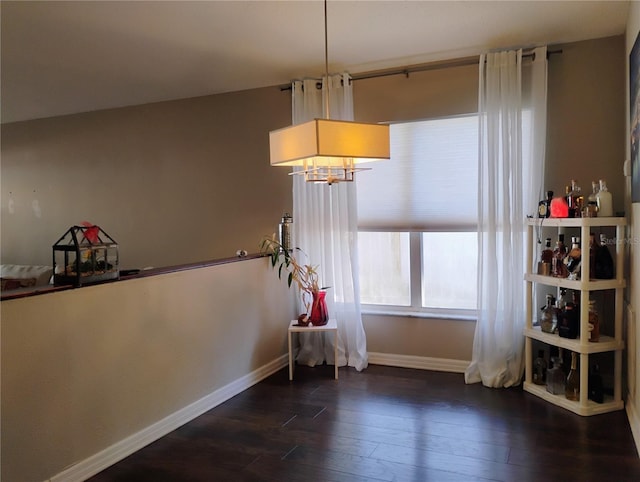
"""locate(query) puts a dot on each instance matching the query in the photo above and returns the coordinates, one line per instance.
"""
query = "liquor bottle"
(594, 322)
(540, 369)
(544, 206)
(547, 253)
(593, 197)
(546, 258)
(596, 388)
(564, 299)
(604, 268)
(574, 259)
(574, 199)
(593, 247)
(558, 268)
(578, 198)
(569, 321)
(605, 204)
(575, 297)
(591, 209)
(549, 316)
(567, 196)
(572, 387)
(555, 375)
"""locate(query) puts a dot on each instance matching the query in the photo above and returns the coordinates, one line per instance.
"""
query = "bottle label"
(543, 210)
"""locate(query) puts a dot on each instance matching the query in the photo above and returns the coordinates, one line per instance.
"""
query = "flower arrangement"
(305, 276)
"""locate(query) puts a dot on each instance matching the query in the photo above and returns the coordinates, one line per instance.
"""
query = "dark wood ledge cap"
(128, 275)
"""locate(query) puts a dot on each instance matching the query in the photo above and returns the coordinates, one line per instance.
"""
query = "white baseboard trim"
(634, 420)
(118, 451)
(420, 362)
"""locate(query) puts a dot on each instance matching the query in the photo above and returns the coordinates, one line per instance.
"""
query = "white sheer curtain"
(511, 172)
(326, 228)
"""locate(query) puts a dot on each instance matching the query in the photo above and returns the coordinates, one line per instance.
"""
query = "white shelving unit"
(581, 345)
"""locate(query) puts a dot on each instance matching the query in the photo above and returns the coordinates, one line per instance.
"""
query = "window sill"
(471, 315)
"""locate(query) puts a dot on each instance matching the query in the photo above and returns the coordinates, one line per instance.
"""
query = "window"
(449, 270)
(384, 268)
(418, 220)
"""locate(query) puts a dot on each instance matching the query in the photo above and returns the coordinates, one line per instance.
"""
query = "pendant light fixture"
(328, 150)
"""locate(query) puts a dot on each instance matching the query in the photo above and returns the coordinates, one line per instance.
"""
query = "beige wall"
(633, 293)
(84, 369)
(422, 95)
(419, 337)
(172, 182)
(585, 131)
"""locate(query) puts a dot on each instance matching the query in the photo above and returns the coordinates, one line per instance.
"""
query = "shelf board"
(606, 343)
(587, 285)
(576, 222)
(592, 408)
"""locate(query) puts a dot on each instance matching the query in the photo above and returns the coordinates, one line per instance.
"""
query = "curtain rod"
(445, 64)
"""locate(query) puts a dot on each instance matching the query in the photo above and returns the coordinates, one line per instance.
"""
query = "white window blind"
(430, 182)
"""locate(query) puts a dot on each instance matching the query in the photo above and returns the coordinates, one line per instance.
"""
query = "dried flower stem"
(304, 275)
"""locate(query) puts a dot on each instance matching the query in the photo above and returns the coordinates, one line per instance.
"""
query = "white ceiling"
(67, 57)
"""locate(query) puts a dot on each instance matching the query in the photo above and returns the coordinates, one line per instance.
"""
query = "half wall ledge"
(127, 275)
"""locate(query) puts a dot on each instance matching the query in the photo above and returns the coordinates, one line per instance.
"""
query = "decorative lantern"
(85, 255)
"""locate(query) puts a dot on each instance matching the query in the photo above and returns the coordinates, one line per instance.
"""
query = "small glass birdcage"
(85, 255)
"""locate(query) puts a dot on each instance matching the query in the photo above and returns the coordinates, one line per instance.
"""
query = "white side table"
(331, 325)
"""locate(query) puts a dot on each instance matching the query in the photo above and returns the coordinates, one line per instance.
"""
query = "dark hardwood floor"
(388, 424)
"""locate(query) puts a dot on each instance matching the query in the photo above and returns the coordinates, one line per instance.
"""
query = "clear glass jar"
(555, 376)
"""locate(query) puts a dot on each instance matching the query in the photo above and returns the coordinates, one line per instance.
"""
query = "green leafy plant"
(305, 276)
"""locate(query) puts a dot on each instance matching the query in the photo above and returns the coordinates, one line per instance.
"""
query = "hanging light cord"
(326, 62)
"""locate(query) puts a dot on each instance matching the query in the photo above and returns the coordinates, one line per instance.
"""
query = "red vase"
(319, 314)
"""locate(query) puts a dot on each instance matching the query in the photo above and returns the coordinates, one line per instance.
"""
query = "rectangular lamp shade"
(329, 139)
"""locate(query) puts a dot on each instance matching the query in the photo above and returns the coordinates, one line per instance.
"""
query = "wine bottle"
(604, 268)
(593, 247)
(572, 387)
(596, 388)
(569, 321)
